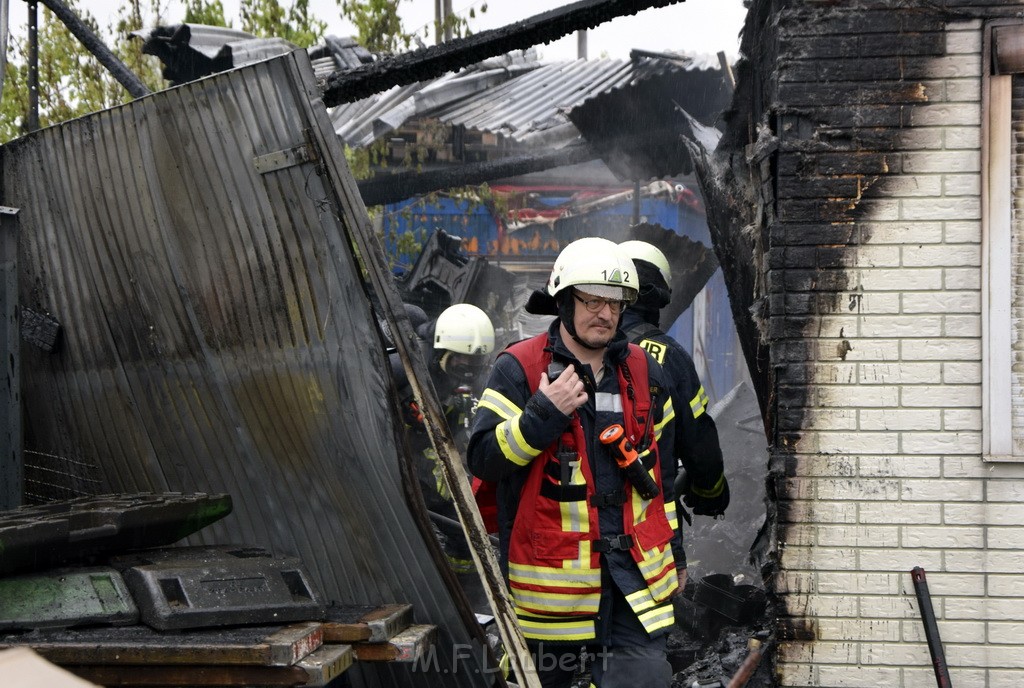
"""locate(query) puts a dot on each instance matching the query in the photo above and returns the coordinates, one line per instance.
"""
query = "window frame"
(996, 235)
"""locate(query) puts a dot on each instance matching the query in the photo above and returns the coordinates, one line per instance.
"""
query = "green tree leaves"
(72, 82)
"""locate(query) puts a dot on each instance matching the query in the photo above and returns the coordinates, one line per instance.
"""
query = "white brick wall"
(888, 473)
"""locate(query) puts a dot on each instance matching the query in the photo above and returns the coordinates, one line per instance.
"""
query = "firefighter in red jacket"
(590, 558)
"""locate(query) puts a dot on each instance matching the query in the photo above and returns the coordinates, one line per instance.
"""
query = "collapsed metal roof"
(515, 95)
(191, 51)
(526, 102)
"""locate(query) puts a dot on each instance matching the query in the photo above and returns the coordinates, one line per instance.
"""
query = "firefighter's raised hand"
(566, 392)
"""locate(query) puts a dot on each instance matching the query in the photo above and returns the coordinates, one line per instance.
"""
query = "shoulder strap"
(634, 373)
(533, 356)
(640, 330)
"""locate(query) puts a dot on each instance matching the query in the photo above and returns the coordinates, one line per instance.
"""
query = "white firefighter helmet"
(464, 329)
(641, 250)
(596, 266)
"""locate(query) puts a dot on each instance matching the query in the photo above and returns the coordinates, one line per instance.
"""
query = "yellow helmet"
(598, 267)
(464, 329)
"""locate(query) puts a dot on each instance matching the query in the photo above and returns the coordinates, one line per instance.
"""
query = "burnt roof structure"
(545, 114)
(433, 61)
(647, 109)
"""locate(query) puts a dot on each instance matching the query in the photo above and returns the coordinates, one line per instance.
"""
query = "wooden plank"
(292, 643)
(376, 626)
(348, 206)
(260, 646)
(407, 646)
(109, 675)
(326, 663)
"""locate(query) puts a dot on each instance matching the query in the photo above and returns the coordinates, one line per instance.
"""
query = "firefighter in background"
(702, 484)
(457, 346)
(589, 558)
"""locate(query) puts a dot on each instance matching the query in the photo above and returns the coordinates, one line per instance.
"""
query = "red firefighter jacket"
(554, 548)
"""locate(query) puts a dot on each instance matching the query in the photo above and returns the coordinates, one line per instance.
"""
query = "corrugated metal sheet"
(364, 121)
(217, 336)
(528, 107)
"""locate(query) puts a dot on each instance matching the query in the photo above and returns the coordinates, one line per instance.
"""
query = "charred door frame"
(12, 468)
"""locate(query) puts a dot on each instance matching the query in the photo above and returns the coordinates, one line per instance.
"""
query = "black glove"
(702, 502)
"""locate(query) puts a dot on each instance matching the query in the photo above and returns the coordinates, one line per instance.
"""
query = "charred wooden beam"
(348, 206)
(126, 77)
(12, 464)
(730, 190)
(402, 185)
(431, 62)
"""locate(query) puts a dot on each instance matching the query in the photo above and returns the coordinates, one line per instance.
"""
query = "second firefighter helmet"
(464, 329)
(596, 266)
(641, 250)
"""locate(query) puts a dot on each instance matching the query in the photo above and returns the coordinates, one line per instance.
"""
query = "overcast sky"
(694, 26)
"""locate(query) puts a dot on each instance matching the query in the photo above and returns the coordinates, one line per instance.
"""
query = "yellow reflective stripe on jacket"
(655, 561)
(671, 515)
(668, 584)
(556, 603)
(699, 403)
(583, 578)
(668, 413)
(557, 628)
(641, 601)
(713, 491)
(512, 443)
(651, 612)
(575, 517)
(510, 438)
(639, 505)
(660, 617)
(499, 404)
